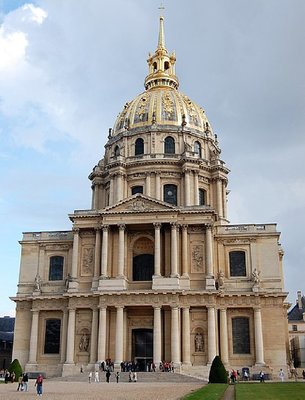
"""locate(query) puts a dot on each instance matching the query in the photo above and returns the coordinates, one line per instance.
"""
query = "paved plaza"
(59, 390)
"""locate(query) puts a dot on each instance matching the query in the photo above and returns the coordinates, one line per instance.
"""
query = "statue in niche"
(38, 282)
(198, 342)
(68, 280)
(255, 277)
(84, 343)
(221, 280)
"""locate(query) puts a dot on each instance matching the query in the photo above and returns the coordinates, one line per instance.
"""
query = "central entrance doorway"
(142, 348)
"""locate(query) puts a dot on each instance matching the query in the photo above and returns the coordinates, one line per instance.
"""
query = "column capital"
(208, 226)
(122, 227)
(157, 225)
(174, 225)
(105, 227)
(184, 227)
(75, 230)
(97, 229)
(185, 307)
(119, 307)
(157, 307)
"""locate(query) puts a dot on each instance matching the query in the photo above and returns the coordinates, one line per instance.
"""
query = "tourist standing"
(281, 375)
(117, 377)
(38, 384)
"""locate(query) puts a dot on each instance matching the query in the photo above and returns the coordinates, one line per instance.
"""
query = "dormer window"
(139, 147)
(136, 189)
(197, 149)
(169, 145)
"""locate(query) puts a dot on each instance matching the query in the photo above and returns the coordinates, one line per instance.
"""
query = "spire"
(161, 40)
(161, 64)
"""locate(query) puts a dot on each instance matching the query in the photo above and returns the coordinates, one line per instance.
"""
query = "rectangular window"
(237, 263)
(241, 335)
(52, 336)
(294, 328)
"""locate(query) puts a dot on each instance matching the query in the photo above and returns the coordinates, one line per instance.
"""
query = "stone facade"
(296, 326)
(154, 271)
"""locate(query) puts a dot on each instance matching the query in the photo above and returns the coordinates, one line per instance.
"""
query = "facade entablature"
(246, 228)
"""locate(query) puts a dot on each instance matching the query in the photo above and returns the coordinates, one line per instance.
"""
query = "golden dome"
(161, 105)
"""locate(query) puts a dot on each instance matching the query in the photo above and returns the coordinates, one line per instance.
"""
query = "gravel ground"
(56, 390)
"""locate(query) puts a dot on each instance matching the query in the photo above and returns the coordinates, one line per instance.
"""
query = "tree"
(218, 373)
(16, 368)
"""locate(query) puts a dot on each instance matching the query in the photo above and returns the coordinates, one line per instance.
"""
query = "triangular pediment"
(139, 203)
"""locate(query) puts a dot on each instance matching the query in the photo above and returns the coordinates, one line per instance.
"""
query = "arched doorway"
(142, 347)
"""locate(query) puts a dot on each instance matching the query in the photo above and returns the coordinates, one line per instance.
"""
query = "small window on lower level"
(241, 335)
(294, 328)
(52, 336)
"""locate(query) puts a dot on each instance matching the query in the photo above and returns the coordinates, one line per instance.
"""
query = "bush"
(218, 373)
(16, 368)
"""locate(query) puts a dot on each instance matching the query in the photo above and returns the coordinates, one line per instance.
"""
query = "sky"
(68, 67)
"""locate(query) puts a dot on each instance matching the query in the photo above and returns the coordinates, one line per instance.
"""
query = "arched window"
(136, 189)
(170, 194)
(52, 336)
(139, 147)
(117, 151)
(166, 66)
(197, 149)
(56, 268)
(155, 67)
(237, 263)
(169, 145)
(241, 335)
(202, 197)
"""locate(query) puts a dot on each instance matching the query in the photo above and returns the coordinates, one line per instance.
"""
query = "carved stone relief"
(197, 258)
(87, 262)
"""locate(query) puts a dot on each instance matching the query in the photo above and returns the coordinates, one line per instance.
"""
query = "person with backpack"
(38, 385)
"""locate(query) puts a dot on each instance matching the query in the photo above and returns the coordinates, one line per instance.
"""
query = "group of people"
(23, 382)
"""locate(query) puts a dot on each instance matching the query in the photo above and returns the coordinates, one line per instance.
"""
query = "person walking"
(281, 375)
(108, 374)
(117, 377)
(96, 377)
(90, 376)
(25, 379)
(38, 384)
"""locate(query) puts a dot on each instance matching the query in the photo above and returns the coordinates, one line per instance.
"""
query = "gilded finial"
(161, 40)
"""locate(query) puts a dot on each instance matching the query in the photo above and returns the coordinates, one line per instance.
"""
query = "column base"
(209, 283)
(259, 364)
(95, 284)
(162, 283)
(112, 284)
(73, 287)
(69, 369)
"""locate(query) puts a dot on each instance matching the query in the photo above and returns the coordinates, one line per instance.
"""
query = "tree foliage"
(16, 368)
(218, 373)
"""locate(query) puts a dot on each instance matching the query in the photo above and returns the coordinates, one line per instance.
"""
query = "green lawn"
(270, 391)
(212, 391)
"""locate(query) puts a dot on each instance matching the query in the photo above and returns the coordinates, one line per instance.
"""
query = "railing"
(246, 228)
(59, 235)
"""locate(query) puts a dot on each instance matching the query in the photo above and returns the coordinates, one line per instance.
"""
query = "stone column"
(97, 253)
(258, 334)
(158, 185)
(174, 254)
(224, 337)
(147, 184)
(34, 337)
(111, 191)
(104, 272)
(119, 335)
(209, 251)
(185, 271)
(175, 336)
(119, 183)
(157, 271)
(219, 197)
(211, 334)
(186, 337)
(96, 196)
(196, 189)
(121, 250)
(75, 252)
(64, 337)
(187, 189)
(101, 355)
(93, 344)
(157, 336)
(71, 336)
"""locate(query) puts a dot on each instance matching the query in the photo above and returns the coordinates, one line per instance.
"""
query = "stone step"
(124, 377)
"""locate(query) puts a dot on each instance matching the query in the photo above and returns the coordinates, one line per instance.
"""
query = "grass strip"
(212, 391)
